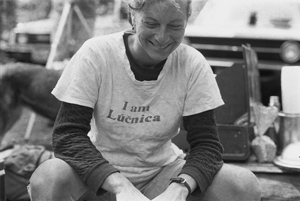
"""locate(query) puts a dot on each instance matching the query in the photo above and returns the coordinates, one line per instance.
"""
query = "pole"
(2, 181)
(83, 21)
(58, 34)
(67, 11)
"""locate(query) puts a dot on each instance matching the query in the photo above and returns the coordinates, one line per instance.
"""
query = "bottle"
(274, 101)
(2, 181)
(273, 130)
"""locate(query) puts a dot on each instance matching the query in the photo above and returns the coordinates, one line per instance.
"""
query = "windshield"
(259, 13)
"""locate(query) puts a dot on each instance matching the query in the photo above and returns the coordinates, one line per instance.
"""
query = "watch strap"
(183, 181)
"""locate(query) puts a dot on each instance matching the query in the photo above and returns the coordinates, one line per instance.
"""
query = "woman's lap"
(230, 183)
(44, 177)
(154, 187)
(230, 180)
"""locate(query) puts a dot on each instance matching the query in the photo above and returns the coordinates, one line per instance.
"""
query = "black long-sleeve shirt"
(71, 143)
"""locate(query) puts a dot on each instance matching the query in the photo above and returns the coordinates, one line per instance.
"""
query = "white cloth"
(135, 121)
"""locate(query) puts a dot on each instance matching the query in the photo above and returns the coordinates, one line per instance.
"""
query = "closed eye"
(150, 24)
(174, 26)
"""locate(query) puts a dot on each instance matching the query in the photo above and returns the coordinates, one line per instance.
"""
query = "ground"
(41, 131)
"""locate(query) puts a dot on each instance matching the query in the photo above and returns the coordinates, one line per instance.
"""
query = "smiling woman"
(158, 31)
(123, 97)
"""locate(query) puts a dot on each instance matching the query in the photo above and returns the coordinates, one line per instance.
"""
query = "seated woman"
(123, 98)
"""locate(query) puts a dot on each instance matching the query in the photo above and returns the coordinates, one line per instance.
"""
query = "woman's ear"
(132, 19)
(132, 16)
(129, 18)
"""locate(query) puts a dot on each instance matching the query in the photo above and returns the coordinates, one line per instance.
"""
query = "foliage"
(30, 10)
(8, 14)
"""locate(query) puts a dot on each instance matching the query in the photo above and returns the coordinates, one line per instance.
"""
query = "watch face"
(178, 180)
(183, 182)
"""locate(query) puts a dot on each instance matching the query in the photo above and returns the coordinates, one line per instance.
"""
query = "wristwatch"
(181, 180)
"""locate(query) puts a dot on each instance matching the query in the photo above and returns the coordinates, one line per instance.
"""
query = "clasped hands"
(126, 191)
(175, 192)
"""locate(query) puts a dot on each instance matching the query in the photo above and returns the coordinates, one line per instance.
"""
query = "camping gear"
(290, 157)
(290, 89)
(19, 166)
(235, 138)
(289, 130)
(263, 146)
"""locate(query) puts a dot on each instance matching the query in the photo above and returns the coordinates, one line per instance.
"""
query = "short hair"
(138, 5)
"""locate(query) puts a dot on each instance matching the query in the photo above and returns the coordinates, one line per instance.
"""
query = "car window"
(241, 13)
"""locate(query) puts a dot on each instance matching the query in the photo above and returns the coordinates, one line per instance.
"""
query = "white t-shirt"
(134, 121)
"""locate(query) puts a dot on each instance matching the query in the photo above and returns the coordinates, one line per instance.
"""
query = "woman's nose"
(162, 35)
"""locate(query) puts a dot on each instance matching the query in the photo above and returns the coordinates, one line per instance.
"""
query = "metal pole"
(2, 181)
(58, 34)
(83, 21)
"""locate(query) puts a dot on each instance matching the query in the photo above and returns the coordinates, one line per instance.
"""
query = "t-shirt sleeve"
(80, 80)
(202, 90)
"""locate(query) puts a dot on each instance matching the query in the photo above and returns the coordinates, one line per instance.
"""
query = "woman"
(128, 91)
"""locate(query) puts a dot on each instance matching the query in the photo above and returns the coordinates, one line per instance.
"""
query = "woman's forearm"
(71, 144)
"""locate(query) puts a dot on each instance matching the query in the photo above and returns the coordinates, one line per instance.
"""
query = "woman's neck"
(139, 55)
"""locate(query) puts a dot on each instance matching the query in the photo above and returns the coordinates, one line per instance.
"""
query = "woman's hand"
(131, 194)
(124, 190)
(175, 192)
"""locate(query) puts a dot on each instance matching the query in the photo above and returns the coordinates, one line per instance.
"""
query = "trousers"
(55, 180)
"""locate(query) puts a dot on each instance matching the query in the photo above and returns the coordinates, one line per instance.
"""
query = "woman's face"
(159, 29)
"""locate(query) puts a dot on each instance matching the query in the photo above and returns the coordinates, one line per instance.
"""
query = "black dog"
(26, 85)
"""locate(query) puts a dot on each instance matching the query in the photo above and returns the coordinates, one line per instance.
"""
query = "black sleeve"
(72, 144)
(205, 156)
